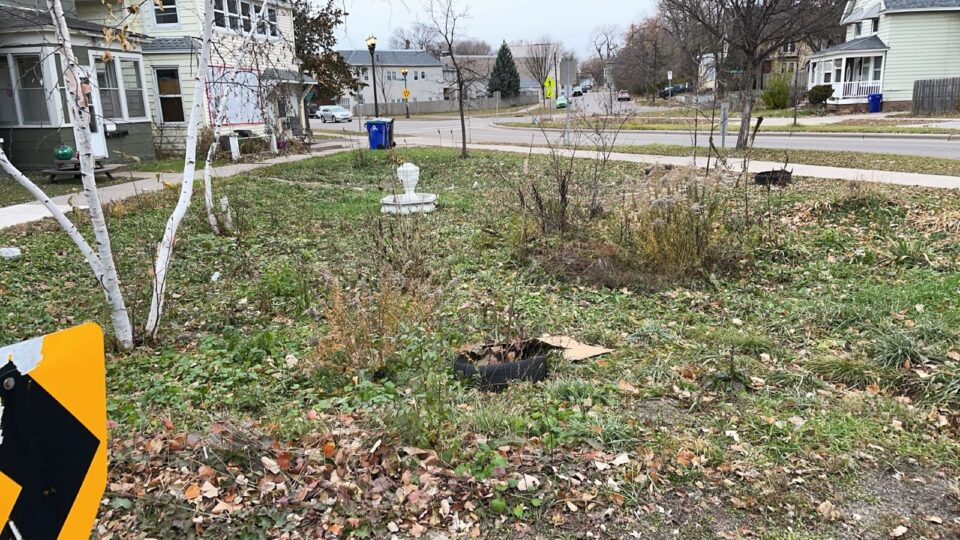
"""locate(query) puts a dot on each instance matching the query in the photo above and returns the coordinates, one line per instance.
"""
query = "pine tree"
(505, 78)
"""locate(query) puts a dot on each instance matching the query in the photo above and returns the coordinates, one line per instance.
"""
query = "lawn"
(857, 160)
(12, 193)
(807, 388)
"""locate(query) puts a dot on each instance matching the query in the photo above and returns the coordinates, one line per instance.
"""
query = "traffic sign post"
(53, 434)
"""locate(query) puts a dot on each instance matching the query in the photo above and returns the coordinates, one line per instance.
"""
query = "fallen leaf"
(873, 389)
(797, 421)
(209, 491)
(329, 448)
(528, 482)
(270, 465)
(572, 507)
(192, 492)
(628, 388)
(934, 519)
(898, 532)
(954, 355)
(622, 459)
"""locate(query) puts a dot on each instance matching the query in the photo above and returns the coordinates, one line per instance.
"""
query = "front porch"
(855, 70)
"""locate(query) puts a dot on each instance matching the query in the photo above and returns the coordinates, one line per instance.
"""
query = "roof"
(171, 45)
(870, 43)
(909, 5)
(390, 58)
(858, 15)
(21, 17)
(288, 75)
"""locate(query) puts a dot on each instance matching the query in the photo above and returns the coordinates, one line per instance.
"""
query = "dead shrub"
(676, 224)
(365, 327)
(403, 247)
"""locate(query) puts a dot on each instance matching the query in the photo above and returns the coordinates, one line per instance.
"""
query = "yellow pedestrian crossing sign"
(549, 88)
(406, 93)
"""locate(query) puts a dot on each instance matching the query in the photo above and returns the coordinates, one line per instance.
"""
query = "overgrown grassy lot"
(793, 375)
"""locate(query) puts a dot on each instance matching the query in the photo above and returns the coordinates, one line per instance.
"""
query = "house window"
(857, 29)
(171, 98)
(109, 89)
(8, 106)
(33, 100)
(366, 74)
(789, 48)
(416, 76)
(133, 88)
(788, 67)
(423, 75)
(226, 14)
(877, 67)
(875, 25)
(272, 17)
(165, 12)
(838, 70)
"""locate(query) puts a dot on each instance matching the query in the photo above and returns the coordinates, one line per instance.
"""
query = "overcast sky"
(568, 21)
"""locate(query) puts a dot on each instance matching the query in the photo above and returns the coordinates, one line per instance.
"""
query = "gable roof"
(390, 58)
(870, 43)
(910, 5)
(858, 15)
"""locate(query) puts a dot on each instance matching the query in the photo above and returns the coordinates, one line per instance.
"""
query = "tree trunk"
(165, 248)
(746, 110)
(80, 117)
(463, 122)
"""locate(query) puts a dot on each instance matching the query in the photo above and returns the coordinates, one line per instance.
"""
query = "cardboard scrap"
(573, 350)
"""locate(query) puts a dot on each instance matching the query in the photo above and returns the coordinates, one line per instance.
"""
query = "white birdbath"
(410, 202)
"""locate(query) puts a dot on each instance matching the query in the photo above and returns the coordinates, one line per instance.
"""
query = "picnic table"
(71, 167)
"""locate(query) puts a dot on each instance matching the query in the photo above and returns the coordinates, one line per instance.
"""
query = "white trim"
(117, 57)
(47, 72)
(165, 26)
(921, 10)
(156, 93)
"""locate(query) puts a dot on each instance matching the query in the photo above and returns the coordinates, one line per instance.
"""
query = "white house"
(424, 76)
(889, 45)
(258, 80)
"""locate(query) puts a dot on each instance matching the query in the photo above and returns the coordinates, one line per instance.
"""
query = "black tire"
(323, 119)
(496, 377)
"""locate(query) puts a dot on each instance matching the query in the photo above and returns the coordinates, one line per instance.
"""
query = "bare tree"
(472, 47)
(754, 29)
(446, 16)
(605, 40)
(538, 59)
(419, 36)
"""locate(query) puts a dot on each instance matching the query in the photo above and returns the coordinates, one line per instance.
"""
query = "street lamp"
(406, 92)
(372, 47)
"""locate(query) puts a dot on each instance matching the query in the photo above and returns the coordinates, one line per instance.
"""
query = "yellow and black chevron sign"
(53, 435)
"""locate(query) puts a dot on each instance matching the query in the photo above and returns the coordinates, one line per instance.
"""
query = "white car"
(333, 113)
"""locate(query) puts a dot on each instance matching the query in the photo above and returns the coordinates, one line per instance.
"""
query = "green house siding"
(32, 148)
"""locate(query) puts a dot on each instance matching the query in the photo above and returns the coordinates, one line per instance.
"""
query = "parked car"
(562, 102)
(334, 113)
(312, 110)
(674, 89)
(623, 95)
(577, 91)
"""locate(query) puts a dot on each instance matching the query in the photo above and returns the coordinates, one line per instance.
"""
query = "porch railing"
(860, 89)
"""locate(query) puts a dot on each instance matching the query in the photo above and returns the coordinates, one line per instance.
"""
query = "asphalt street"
(446, 132)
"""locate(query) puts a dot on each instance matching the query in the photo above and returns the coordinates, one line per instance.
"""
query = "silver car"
(333, 113)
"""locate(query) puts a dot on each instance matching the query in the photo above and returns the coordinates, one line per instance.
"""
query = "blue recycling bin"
(380, 133)
(875, 102)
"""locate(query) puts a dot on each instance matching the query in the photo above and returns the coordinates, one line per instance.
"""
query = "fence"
(934, 96)
(447, 105)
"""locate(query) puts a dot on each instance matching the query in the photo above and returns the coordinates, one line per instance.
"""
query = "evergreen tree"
(505, 78)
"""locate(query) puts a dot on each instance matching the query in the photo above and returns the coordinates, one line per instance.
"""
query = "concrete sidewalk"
(813, 171)
(141, 182)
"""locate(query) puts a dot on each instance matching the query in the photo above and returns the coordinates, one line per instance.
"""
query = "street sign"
(53, 434)
(406, 93)
(670, 75)
(550, 88)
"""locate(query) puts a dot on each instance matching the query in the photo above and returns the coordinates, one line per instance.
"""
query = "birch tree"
(100, 260)
(165, 248)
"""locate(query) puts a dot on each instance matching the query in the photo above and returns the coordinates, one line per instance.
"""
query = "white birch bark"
(218, 128)
(80, 116)
(88, 255)
(165, 248)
